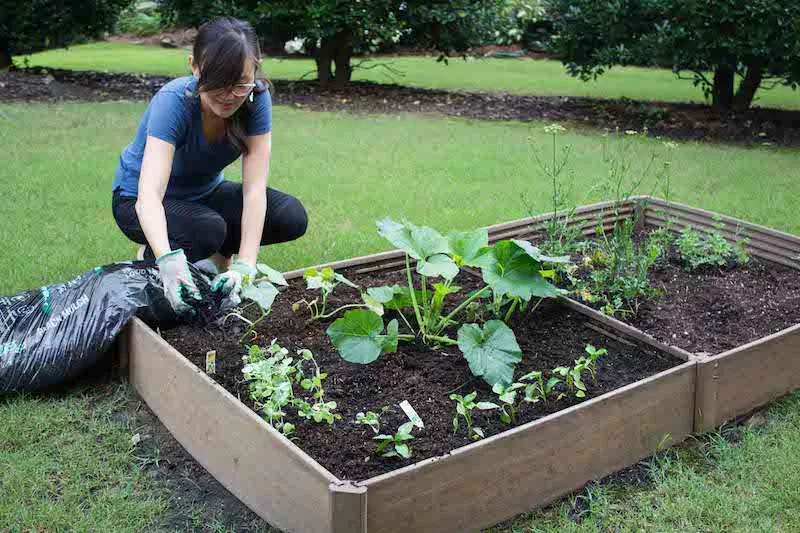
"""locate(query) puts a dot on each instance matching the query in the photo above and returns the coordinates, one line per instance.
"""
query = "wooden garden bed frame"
(499, 477)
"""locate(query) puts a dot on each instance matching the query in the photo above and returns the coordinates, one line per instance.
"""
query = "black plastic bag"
(54, 334)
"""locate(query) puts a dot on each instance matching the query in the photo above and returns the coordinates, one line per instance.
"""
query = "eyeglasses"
(243, 89)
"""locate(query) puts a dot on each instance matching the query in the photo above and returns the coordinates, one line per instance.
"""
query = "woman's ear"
(195, 70)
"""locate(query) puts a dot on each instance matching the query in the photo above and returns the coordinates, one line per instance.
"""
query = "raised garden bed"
(648, 394)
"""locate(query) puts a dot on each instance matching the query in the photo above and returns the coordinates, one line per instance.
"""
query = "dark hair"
(220, 49)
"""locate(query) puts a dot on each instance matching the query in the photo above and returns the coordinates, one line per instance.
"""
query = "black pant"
(213, 224)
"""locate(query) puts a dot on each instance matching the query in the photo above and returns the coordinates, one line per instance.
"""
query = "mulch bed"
(669, 120)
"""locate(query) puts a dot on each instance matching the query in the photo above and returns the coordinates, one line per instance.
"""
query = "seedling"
(698, 252)
(508, 395)
(538, 390)
(464, 407)
(572, 378)
(270, 378)
(396, 444)
(591, 362)
(371, 419)
(261, 290)
(326, 281)
(320, 410)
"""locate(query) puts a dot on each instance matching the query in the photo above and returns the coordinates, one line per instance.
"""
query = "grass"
(65, 460)
(66, 464)
(750, 485)
(523, 76)
(346, 169)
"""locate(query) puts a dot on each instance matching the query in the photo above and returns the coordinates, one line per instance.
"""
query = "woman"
(169, 193)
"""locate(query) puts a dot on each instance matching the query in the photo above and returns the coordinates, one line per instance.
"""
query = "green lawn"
(521, 76)
(64, 460)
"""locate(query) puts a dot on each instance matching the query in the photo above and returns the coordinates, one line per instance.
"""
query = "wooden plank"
(527, 467)
(628, 330)
(266, 471)
(658, 203)
(740, 380)
(348, 507)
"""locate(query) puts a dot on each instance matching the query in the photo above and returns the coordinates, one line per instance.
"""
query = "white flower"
(296, 45)
(554, 129)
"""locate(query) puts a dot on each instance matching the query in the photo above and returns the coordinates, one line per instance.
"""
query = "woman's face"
(223, 102)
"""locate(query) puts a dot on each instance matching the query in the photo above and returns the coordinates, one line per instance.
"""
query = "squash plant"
(511, 271)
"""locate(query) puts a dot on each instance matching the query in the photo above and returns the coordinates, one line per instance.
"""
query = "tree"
(716, 41)
(334, 31)
(27, 27)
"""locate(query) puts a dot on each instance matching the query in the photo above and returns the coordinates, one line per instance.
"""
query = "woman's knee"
(287, 223)
(205, 238)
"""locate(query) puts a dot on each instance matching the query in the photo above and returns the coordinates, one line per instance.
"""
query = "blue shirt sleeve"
(167, 120)
(261, 115)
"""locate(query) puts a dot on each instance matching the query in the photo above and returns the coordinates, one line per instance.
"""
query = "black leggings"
(213, 224)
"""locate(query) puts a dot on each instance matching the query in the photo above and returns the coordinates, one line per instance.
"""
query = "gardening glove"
(234, 280)
(175, 277)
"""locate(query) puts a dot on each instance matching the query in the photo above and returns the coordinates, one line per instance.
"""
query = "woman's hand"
(177, 278)
(232, 282)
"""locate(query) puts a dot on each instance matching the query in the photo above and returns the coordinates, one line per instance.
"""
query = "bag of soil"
(54, 334)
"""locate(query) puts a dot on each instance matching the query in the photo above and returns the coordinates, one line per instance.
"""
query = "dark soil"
(670, 120)
(551, 337)
(717, 310)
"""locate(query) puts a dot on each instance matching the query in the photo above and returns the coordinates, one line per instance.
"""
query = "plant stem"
(413, 296)
(425, 309)
(511, 310)
(443, 340)
(348, 306)
(443, 322)
(406, 337)
(405, 320)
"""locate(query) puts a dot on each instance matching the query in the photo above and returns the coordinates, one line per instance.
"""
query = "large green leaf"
(512, 272)
(263, 294)
(438, 265)
(492, 352)
(419, 242)
(273, 275)
(469, 248)
(537, 254)
(372, 304)
(357, 336)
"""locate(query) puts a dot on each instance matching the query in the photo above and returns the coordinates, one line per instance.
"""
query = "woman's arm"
(255, 171)
(153, 179)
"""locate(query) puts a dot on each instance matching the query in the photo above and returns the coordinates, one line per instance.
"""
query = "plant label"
(411, 414)
(211, 362)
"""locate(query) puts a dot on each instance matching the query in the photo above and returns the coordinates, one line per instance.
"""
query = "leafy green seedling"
(396, 444)
(591, 362)
(464, 407)
(320, 410)
(572, 378)
(260, 289)
(326, 281)
(538, 390)
(371, 419)
(270, 374)
(508, 395)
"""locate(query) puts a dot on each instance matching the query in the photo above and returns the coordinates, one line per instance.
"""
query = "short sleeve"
(167, 120)
(261, 116)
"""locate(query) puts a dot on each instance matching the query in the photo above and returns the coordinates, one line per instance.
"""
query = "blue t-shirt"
(174, 116)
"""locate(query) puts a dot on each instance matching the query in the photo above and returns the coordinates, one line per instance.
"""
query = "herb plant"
(371, 419)
(464, 407)
(396, 444)
(697, 251)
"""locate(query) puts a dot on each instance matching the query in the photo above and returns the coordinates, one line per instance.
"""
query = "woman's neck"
(213, 125)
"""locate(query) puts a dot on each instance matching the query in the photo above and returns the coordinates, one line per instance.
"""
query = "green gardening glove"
(234, 280)
(175, 277)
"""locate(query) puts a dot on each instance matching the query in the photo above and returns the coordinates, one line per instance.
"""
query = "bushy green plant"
(140, 18)
(698, 251)
(755, 41)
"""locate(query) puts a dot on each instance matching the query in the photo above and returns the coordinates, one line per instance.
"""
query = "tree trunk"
(723, 88)
(336, 51)
(747, 89)
(5, 55)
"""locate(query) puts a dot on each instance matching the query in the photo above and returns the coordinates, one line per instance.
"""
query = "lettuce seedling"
(396, 444)
(464, 407)
(371, 419)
